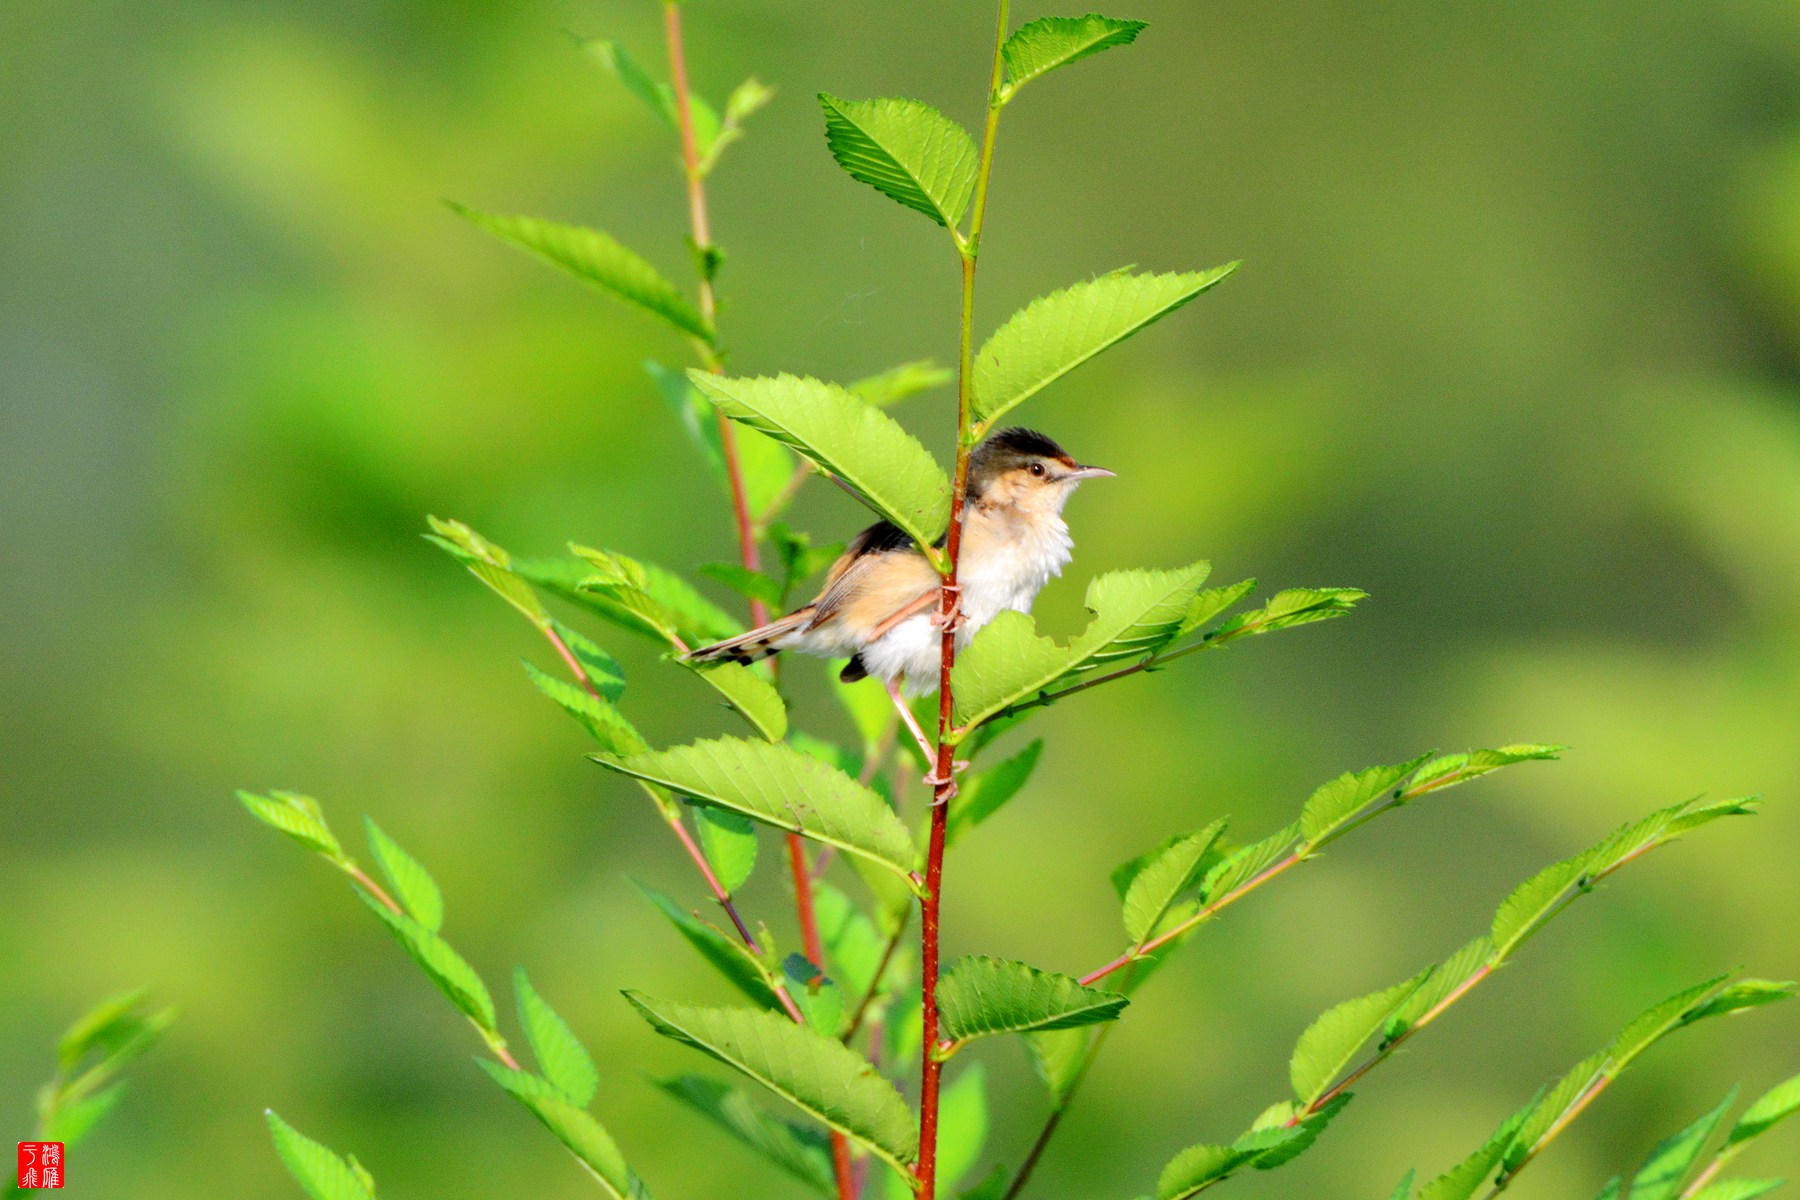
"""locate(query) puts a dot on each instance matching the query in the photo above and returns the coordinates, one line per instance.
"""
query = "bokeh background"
(1515, 348)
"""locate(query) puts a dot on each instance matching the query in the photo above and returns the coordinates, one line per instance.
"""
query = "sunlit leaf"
(985, 792)
(442, 965)
(906, 150)
(726, 954)
(1159, 880)
(729, 841)
(1332, 805)
(562, 1058)
(1047, 43)
(320, 1173)
(898, 383)
(979, 996)
(802, 1152)
(413, 885)
(1661, 1176)
(574, 1127)
(1330, 1043)
(297, 816)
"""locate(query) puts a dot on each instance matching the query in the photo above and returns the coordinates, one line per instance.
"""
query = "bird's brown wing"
(877, 567)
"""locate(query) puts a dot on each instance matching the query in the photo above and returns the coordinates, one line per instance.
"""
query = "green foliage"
(985, 792)
(596, 258)
(889, 387)
(905, 150)
(320, 1173)
(819, 1075)
(561, 1056)
(1661, 1176)
(1461, 1181)
(802, 1152)
(90, 1056)
(1277, 1139)
(604, 722)
(1766, 1111)
(1151, 884)
(638, 596)
(764, 464)
(442, 965)
(879, 462)
(729, 840)
(1055, 334)
(575, 1128)
(1330, 1043)
(1047, 43)
(742, 969)
(413, 885)
(779, 786)
(1334, 804)
(751, 695)
(297, 816)
(980, 996)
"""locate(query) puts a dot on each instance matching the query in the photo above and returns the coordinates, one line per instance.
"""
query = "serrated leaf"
(1210, 602)
(1290, 608)
(602, 669)
(1550, 1108)
(1533, 902)
(1455, 769)
(1463, 1180)
(986, 791)
(598, 259)
(728, 955)
(1661, 1176)
(1054, 334)
(1171, 870)
(1047, 43)
(1332, 805)
(1197, 1167)
(562, 1058)
(1270, 1144)
(413, 885)
(574, 1127)
(604, 722)
(1659, 1020)
(979, 996)
(882, 464)
(1775, 1105)
(297, 816)
(1058, 1057)
(801, 1152)
(1445, 979)
(107, 1026)
(819, 1075)
(751, 696)
(898, 383)
(780, 786)
(487, 562)
(1008, 662)
(319, 1172)
(1247, 862)
(441, 963)
(820, 999)
(1746, 993)
(637, 595)
(765, 465)
(729, 840)
(1330, 1043)
(905, 150)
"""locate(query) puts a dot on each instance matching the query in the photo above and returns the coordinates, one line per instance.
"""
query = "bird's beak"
(1088, 473)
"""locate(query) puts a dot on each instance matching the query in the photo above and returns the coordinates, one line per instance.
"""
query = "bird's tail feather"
(758, 644)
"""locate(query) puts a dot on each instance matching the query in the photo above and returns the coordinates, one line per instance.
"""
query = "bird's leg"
(912, 722)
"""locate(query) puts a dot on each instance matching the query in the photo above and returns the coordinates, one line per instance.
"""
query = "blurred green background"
(1516, 347)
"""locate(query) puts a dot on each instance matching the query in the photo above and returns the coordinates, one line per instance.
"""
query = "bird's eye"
(1037, 469)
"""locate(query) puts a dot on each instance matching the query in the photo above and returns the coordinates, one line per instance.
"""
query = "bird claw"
(935, 781)
(952, 621)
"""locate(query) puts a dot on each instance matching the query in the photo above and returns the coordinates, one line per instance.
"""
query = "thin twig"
(874, 989)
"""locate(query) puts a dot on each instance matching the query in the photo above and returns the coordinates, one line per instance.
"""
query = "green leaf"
(73, 1120)
(297, 816)
(752, 585)
(598, 259)
(1405, 1188)
(1661, 1176)
(751, 695)
(853, 946)
(1170, 870)
(108, 1026)
(443, 965)
(574, 1127)
(729, 956)
(1246, 863)
(1463, 1180)
(1333, 805)
(780, 786)
(1054, 334)
(1197, 1167)
(1738, 1189)
(980, 996)
(1551, 1107)
(638, 596)
(1210, 602)
(1289, 609)
(603, 670)
(1775, 1105)
(1747, 993)
(1535, 901)
(1047, 43)
(801, 1152)
(905, 150)
(993, 1185)
(1008, 662)
(488, 563)
(1454, 769)
(1444, 980)
(1330, 1044)
(413, 885)
(898, 383)
(882, 464)
(657, 95)
(320, 1173)
(820, 999)
(962, 1127)
(560, 1055)
(1660, 1020)
(729, 840)
(605, 723)
(1058, 1058)
(1612, 1190)
(765, 465)
(986, 791)
(1272, 1143)
(819, 1075)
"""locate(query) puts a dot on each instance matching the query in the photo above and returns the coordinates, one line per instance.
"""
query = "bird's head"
(1023, 469)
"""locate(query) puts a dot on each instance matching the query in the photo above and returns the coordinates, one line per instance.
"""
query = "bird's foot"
(950, 621)
(945, 785)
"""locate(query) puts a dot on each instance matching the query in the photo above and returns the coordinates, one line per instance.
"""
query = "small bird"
(882, 598)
